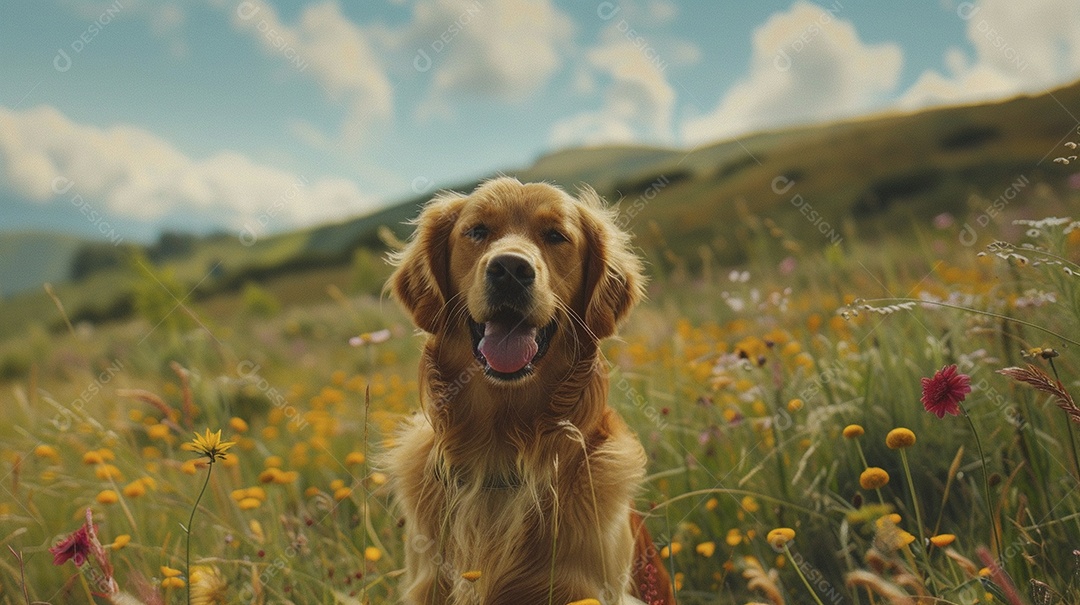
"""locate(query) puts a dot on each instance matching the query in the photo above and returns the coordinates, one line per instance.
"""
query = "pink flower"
(75, 547)
(943, 392)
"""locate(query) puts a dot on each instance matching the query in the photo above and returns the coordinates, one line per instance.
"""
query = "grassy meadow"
(762, 392)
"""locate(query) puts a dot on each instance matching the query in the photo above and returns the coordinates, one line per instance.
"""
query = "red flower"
(943, 392)
(75, 547)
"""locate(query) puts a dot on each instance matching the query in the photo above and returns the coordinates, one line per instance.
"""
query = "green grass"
(705, 372)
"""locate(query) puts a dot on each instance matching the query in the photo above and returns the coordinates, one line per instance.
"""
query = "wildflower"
(734, 537)
(190, 467)
(249, 503)
(209, 445)
(853, 431)
(273, 462)
(47, 451)
(120, 541)
(706, 549)
(942, 540)
(341, 493)
(157, 431)
(92, 457)
(370, 338)
(207, 585)
(372, 554)
(238, 425)
(780, 536)
(107, 472)
(795, 405)
(135, 489)
(108, 496)
(172, 582)
(471, 576)
(354, 458)
(749, 504)
(873, 478)
(670, 550)
(942, 393)
(75, 547)
(712, 504)
(900, 438)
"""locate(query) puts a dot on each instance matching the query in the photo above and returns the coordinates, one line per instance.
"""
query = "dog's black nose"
(510, 273)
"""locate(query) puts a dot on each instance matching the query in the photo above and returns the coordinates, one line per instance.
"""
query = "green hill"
(813, 186)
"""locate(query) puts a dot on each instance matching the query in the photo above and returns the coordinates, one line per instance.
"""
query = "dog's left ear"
(421, 281)
(614, 276)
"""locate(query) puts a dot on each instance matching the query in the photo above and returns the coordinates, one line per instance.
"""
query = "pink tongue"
(506, 347)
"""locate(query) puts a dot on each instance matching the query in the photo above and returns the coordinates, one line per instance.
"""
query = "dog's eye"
(554, 236)
(477, 234)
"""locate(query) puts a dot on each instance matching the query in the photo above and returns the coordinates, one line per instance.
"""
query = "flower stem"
(187, 530)
(986, 483)
(798, 570)
(914, 499)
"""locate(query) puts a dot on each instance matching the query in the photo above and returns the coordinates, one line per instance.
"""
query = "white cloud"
(137, 175)
(338, 54)
(807, 64)
(638, 103)
(498, 48)
(1019, 47)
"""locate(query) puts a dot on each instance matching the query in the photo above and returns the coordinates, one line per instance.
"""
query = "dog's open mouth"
(507, 346)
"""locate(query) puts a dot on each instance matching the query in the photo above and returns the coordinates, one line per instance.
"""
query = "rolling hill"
(868, 178)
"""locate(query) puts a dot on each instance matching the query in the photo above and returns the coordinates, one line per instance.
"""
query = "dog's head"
(524, 274)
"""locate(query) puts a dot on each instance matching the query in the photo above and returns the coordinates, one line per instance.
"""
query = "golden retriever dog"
(516, 481)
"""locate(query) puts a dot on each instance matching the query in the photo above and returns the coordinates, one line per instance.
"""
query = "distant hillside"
(811, 186)
(29, 259)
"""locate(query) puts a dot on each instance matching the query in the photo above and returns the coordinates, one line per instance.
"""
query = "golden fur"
(529, 480)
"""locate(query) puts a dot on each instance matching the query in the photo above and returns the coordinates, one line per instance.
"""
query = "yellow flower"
(795, 405)
(108, 496)
(712, 504)
(135, 489)
(105, 472)
(209, 445)
(208, 586)
(354, 458)
(378, 478)
(273, 462)
(120, 541)
(172, 583)
(584, 602)
(341, 493)
(46, 451)
(92, 457)
(372, 554)
(190, 467)
(672, 549)
(942, 540)
(900, 438)
(249, 503)
(706, 549)
(734, 537)
(286, 477)
(170, 572)
(780, 536)
(238, 425)
(471, 576)
(873, 478)
(270, 475)
(157, 431)
(749, 504)
(853, 431)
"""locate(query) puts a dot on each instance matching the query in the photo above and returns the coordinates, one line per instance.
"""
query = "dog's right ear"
(421, 280)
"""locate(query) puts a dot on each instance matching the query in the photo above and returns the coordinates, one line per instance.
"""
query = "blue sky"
(216, 114)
